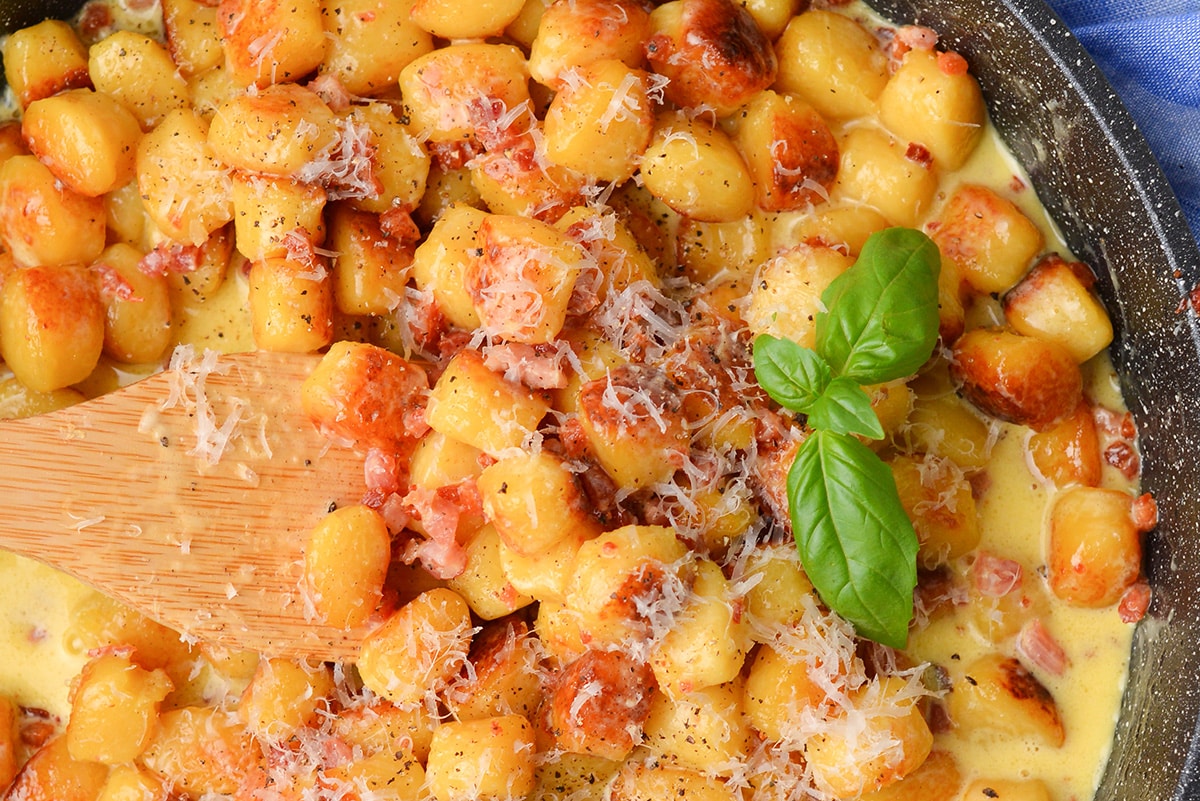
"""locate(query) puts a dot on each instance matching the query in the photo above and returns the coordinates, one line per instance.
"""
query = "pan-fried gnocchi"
(534, 241)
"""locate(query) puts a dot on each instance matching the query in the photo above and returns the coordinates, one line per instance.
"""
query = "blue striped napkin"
(1150, 52)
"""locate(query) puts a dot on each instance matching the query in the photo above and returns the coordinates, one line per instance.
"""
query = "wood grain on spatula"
(116, 492)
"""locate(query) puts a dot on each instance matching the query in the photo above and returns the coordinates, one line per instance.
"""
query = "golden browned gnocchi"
(534, 243)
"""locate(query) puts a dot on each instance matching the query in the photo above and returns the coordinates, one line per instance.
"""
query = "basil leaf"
(845, 408)
(856, 543)
(882, 318)
(794, 376)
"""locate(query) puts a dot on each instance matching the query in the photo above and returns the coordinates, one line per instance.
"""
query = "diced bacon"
(434, 509)
(598, 704)
(95, 20)
(390, 506)
(450, 156)
(115, 285)
(1035, 643)
(398, 224)
(382, 470)
(909, 37)
(597, 486)
(1189, 301)
(995, 576)
(466, 495)
(415, 424)
(171, 257)
(299, 247)
(1124, 457)
(425, 331)
(1134, 602)
(951, 63)
(919, 154)
(937, 590)
(498, 127)
(336, 752)
(1145, 512)
(535, 366)
(444, 559)
(347, 167)
(439, 512)
(917, 37)
(585, 295)
(331, 90)
(1115, 424)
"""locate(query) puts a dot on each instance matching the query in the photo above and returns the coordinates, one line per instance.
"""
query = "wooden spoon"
(115, 492)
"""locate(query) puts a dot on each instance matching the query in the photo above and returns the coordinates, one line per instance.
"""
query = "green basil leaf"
(882, 318)
(856, 542)
(794, 376)
(845, 408)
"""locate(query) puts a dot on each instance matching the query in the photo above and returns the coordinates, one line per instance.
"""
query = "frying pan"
(1098, 178)
(1100, 182)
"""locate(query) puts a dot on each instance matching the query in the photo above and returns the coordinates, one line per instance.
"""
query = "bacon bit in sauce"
(299, 247)
(1015, 184)
(496, 125)
(917, 37)
(348, 167)
(114, 285)
(919, 154)
(451, 156)
(398, 224)
(37, 726)
(599, 489)
(995, 576)
(424, 319)
(1116, 424)
(382, 471)
(1145, 512)
(332, 91)
(535, 366)
(938, 590)
(391, 508)
(1122, 456)
(95, 20)
(952, 63)
(1037, 645)
(909, 37)
(439, 512)
(171, 258)
(1134, 602)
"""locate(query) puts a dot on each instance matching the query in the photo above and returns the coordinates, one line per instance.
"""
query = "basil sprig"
(881, 324)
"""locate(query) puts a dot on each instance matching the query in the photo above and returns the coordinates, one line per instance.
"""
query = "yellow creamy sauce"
(1012, 524)
(1096, 643)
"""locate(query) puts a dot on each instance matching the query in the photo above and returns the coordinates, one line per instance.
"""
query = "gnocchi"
(533, 242)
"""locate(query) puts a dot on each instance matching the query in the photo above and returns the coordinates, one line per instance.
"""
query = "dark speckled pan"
(1102, 185)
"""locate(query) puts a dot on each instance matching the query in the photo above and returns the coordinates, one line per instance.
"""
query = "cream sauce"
(1096, 642)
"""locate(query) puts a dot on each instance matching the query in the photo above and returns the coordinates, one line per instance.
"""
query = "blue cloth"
(1150, 52)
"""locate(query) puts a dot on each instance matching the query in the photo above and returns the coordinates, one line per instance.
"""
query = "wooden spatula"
(188, 496)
